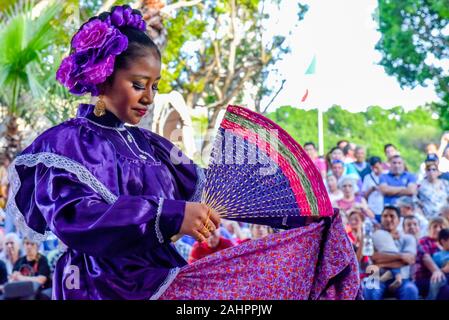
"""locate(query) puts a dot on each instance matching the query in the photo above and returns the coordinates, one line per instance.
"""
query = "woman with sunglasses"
(433, 192)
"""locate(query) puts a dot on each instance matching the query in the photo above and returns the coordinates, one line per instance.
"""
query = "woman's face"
(355, 222)
(133, 89)
(259, 231)
(337, 154)
(347, 188)
(332, 183)
(434, 229)
(432, 173)
(30, 247)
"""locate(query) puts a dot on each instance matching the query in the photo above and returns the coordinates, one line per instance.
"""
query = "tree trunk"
(13, 138)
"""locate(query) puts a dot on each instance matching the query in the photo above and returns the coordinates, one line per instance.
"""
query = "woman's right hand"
(199, 221)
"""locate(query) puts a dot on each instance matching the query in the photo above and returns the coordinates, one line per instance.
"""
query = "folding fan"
(259, 173)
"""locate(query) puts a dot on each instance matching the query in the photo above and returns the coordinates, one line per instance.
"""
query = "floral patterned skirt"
(312, 262)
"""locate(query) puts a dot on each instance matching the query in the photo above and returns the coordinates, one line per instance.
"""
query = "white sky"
(342, 34)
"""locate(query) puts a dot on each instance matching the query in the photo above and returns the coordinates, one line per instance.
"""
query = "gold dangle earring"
(100, 107)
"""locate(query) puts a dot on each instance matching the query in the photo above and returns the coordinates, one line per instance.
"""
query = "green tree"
(415, 44)
(23, 39)
(216, 49)
(409, 131)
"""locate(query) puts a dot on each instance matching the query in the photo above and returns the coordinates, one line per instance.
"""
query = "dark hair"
(396, 156)
(137, 41)
(310, 144)
(391, 207)
(342, 141)
(443, 235)
(346, 149)
(389, 145)
(374, 160)
(409, 218)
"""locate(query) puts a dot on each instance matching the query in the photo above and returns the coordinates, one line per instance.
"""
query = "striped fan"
(259, 173)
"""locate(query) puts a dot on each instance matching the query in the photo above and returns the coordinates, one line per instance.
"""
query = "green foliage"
(414, 45)
(409, 131)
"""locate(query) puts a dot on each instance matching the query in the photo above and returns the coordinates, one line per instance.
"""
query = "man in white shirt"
(370, 187)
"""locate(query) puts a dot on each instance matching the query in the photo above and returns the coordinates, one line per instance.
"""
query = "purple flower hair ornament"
(94, 49)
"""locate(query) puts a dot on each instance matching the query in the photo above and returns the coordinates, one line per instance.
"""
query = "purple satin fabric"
(113, 248)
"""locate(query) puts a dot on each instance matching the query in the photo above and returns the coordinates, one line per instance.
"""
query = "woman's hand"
(437, 276)
(199, 221)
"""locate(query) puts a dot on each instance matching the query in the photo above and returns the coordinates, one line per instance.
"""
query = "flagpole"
(320, 133)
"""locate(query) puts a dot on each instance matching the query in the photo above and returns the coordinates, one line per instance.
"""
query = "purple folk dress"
(114, 195)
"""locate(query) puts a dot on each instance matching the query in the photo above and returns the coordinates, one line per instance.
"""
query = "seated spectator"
(397, 182)
(410, 225)
(430, 157)
(355, 231)
(433, 192)
(33, 266)
(441, 259)
(403, 259)
(12, 251)
(426, 270)
(259, 231)
(213, 244)
(234, 230)
(319, 162)
(363, 168)
(336, 155)
(333, 191)
(370, 187)
(408, 209)
(352, 201)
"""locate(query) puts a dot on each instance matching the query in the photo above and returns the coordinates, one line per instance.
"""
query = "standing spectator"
(333, 191)
(389, 151)
(363, 168)
(337, 169)
(410, 225)
(336, 154)
(370, 187)
(426, 270)
(341, 144)
(431, 156)
(12, 251)
(397, 182)
(433, 192)
(213, 244)
(406, 247)
(443, 153)
(350, 200)
(407, 208)
(348, 152)
(319, 162)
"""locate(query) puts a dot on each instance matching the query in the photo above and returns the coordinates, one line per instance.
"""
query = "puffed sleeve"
(189, 177)
(69, 188)
(84, 221)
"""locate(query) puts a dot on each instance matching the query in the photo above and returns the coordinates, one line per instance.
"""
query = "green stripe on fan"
(286, 153)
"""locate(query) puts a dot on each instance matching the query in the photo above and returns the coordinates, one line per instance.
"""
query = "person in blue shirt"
(397, 182)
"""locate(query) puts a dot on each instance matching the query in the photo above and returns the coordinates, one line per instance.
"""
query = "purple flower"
(114, 45)
(63, 73)
(92, 35)
(127, 12)
(117, 17)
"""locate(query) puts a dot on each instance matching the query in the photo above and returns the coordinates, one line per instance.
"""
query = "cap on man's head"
(431, 157)
(405, 202)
